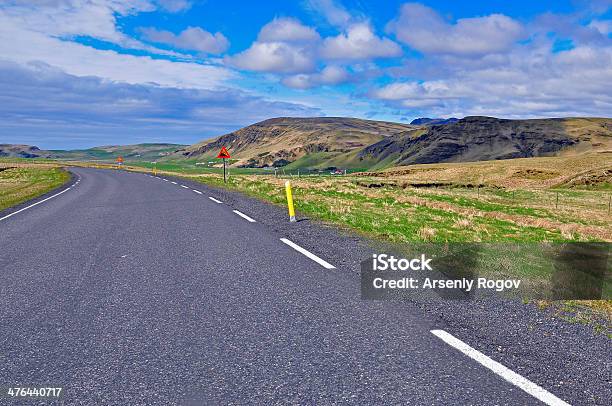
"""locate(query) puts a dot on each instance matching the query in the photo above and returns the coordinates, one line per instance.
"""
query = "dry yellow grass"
(427, 233)
(596, 132)
(525, 173)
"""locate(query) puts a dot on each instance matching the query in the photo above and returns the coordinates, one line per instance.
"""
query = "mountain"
(282, 141)
(488, 138)
(20, 151)
(353, 143)
(365, 144)
(433, 121)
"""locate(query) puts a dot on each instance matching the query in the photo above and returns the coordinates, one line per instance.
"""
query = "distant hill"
(433, 121)
(282, 141)
(137, 152)
(486, 138)
(134, 152)
(20, 151)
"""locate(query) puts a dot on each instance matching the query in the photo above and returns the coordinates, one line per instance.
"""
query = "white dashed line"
(174, 183)
(35, 204)
(525, 384)
(309, 254)
(197, 191)
(214, 200)
(186, 187)
(244, 216)
(165, 180)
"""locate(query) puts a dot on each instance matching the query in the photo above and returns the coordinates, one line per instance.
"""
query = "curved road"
(128, 289)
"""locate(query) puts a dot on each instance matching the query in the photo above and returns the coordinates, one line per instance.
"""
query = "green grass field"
(19, 184)
(440, 215)
(197, 167)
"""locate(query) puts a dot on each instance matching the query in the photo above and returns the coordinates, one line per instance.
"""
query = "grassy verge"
(417, 215)
(510, 224)
(595, 313)
(21, 183)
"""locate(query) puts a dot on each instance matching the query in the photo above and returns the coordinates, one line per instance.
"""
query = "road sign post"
(224, 154)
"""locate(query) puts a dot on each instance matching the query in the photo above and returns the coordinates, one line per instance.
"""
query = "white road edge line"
(309, 254)
(525, 384)
(214, 200)
(197, 191)
(35, 204)
(244, 216)
(186, 187)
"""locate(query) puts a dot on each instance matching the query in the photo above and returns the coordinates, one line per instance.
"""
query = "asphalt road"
(128, 289)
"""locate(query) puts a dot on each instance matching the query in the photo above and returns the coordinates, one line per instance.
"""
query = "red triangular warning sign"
(224, 153)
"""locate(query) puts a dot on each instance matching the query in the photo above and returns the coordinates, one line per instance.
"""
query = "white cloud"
(330, 75)
(333, 75)
(44, 106)
(533, 82)
(23, 45)
(571, 26)
(359, 42)
(283, 46)
(423, 29)
(333, 12)
(175, 5)
(278, 57)
(603, 26)
(287, 30)
(66, 18)
(595, 6)
(287, 46)
(192, 38)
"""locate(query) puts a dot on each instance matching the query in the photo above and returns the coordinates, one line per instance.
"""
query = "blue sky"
(80, 73)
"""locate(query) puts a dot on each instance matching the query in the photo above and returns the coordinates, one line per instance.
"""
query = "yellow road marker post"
(290, 201)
